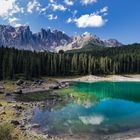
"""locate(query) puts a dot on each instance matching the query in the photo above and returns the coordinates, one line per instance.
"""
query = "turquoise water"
(93, 108)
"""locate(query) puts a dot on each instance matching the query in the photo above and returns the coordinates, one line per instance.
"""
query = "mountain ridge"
(48, 40)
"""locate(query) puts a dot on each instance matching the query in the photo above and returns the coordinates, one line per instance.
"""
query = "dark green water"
(93, 108)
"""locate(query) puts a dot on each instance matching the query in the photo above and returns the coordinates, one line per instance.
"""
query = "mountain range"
(49, 40)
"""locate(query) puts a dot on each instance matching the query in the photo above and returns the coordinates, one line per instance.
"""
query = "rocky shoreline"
(23, 111)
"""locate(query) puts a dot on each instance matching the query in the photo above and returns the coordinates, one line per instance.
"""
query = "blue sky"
(119, 19)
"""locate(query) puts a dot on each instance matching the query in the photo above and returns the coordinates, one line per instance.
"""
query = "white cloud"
(52, 17)
(43, 10)
(56, 7)
(33, 5)
(95, 19)
(14, 22)
(8, 8)
(91, 20)
(69, 2)
(85, 2)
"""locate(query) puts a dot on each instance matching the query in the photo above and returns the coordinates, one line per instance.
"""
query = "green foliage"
(9, 132)
(118, 60)
(6, 131)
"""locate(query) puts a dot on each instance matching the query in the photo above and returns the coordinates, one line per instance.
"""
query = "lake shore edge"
(87, 79)
(109, 78)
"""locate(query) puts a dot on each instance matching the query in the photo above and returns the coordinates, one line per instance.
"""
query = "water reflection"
(115, 90)
(97, 108)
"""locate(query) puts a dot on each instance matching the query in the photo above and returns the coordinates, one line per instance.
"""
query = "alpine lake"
(89, 109)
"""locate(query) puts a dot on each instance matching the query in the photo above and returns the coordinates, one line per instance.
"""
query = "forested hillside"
(121, 60)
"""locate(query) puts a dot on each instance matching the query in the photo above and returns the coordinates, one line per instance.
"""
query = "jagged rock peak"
(48, 39)
(22, 38)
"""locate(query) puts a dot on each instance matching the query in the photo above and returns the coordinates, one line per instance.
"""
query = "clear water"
(93, 109)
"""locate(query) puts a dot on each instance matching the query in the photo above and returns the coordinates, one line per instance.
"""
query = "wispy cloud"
(14, 21)
(86, 2)
(69, 2)
(57, 7)
(33, 5)
(52, 17)
(104, 9)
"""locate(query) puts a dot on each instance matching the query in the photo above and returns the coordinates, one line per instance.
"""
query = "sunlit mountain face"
(50, 40)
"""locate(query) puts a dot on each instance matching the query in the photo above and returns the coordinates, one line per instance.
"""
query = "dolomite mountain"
(50, 40)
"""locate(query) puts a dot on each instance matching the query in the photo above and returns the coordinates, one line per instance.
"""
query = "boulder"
(37, 82)
(55, 86)
(40, 82)
(1, 89)
(64, 84)
(18, 91)
(67, 84)
(19, 82)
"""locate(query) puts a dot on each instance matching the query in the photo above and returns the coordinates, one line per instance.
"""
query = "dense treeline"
(122, 60)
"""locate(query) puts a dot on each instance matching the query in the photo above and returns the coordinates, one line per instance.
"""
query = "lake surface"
(99, 108)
